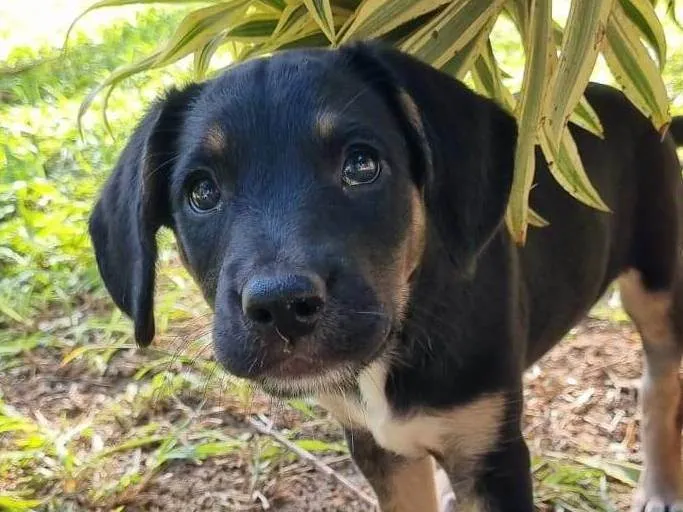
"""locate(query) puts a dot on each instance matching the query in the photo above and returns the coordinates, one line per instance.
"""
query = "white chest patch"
(471, 429)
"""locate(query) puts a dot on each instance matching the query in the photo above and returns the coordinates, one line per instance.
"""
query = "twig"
(309, 457)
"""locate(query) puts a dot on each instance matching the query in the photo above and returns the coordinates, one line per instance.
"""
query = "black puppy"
(342, 213)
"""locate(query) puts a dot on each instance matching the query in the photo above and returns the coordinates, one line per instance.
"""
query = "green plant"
(50, 174)
(455, 36)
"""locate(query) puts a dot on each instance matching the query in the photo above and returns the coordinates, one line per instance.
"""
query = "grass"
(57, 322)
(51, 298)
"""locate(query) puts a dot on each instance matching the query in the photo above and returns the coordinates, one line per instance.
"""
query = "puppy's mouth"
(303, 375)
(339, 377)
(299, 366)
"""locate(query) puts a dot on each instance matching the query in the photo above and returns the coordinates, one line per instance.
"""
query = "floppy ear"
(464, 146)
(132, 207)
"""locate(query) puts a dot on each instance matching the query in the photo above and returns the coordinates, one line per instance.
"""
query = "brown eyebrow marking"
(214, 139)
(324, 124)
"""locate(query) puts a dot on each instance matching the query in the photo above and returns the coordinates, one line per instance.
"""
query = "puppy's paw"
(645, 502)
(444, 492)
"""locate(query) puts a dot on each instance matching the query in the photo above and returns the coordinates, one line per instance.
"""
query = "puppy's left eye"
(204, 195)
(361, 167)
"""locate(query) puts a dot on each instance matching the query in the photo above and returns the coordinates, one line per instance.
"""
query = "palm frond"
(455, 36)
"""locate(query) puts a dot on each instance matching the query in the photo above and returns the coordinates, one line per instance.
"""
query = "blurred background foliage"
(50, 293)
(49, 173)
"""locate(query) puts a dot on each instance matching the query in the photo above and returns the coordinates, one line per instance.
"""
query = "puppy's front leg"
(401, 484)
(499, 482)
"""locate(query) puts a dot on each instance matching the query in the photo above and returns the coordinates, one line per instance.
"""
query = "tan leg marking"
(412, 487)
(662, 480)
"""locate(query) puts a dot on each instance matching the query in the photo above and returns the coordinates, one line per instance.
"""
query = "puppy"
(341, 211)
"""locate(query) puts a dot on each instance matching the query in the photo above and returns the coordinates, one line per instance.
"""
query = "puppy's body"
(638, 175)
(539, 292)
(398, 297)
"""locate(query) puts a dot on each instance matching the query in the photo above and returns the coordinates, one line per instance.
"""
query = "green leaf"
(518, 12)
(643, 16)
(624, 472)
(117, 3)
(112, 80)
(7, 310)
(462, 61)
(566, 167)
(202, 57)
(215, 448)
(671, 12)
(317, 446)
(376, 18)
(303, 407)
(292, 19)
(198, 28)
(13, 503)
(321, 11)
(279, 5)
(295, 24)
(585, 117)
(132, 444)
(256, 29)
(488, 79)
(536, 220)
(80, 351)
(19, 344)
(580, 47)
(635, 70)
(449, 32)
(536, 73)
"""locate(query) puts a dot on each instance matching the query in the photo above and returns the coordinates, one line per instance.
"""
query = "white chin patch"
(329, 381)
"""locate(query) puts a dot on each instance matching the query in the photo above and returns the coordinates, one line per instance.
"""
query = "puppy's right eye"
(361, 166)
(204, 195)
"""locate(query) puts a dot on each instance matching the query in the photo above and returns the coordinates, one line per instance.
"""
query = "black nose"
(289, 303)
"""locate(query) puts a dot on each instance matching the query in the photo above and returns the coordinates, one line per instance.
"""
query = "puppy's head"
(303, 190)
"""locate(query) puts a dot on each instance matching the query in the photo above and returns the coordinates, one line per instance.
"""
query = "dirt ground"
(580, 401)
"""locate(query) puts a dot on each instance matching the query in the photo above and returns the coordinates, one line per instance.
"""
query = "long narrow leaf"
(463, 60)
(518, 12)
(278, 5)
(450, 31)
(671, 13)
(321, 11)
(199, 27)
(566, 167)
(292, 15)
(13, 503)
(297, 34)
(202, 57)
(375, 18)
(536, 220)
(114, 78)
(489, 80)
(643, 16)
(256, 28)
(536, 73)
(296, 26)
(635, 70)
(580, 48)
(585, 117)
(117, 3)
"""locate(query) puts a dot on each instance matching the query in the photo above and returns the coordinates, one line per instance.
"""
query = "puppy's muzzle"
(288, 305)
